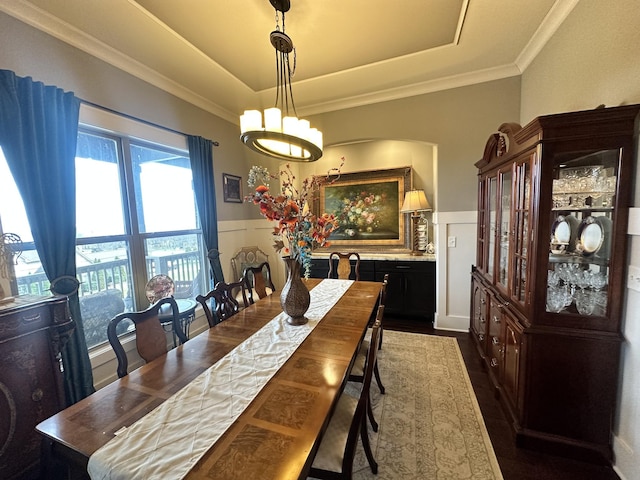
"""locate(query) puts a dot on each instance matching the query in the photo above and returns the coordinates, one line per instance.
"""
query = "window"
(13, 219)
(135, 217)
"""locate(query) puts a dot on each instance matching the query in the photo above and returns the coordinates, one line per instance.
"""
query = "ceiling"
(216, 54)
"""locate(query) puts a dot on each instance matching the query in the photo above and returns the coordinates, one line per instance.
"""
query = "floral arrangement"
(298, 229)
(362, 210)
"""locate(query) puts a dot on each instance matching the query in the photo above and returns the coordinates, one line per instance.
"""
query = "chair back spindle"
(343, 269)
(258, 282)
(225, 304)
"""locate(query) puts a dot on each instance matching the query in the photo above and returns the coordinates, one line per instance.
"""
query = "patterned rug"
(430, 422)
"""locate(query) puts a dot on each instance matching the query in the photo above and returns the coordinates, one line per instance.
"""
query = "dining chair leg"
(372, 420)
(364, 435)
(380, 342)
(376, 372)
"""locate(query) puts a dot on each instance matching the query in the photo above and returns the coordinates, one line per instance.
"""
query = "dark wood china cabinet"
(549, 281)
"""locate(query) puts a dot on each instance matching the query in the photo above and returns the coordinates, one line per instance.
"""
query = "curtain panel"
(201, 156)
(38, 134)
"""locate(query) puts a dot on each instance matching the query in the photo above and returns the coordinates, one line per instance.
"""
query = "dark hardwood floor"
(515, 463)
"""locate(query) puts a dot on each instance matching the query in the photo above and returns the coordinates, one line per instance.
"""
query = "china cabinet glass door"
(582, 215)
(519, 288)
(504, 232)
(493, 218)
(481, 252)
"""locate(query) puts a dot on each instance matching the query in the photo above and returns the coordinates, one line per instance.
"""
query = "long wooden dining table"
(275, 437)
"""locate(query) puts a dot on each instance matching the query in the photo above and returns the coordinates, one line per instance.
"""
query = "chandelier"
(282, 135)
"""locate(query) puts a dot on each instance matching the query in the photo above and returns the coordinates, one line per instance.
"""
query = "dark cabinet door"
(411, 289)
(395, 291)
(479, 316)
(319, 268)
(30, 380)
(367, 271)
(512, 353)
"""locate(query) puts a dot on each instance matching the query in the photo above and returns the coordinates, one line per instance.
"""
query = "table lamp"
(415, 201)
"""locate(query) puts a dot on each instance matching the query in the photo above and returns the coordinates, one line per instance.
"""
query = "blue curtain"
(38, 134)
(201, 156)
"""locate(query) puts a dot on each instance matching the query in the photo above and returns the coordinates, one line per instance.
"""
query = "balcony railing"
(106, 288)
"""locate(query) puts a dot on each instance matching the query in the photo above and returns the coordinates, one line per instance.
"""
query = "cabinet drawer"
(399, 266)
(24, 321)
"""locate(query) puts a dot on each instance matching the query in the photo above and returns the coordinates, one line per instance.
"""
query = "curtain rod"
(131, 117)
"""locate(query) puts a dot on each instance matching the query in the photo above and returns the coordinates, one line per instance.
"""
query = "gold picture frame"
(368, 204)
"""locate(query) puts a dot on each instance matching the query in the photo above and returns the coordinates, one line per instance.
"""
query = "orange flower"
(297, 226)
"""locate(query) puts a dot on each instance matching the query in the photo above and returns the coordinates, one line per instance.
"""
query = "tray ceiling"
(217, 55)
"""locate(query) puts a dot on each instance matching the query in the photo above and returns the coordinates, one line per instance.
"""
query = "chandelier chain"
(282, 135)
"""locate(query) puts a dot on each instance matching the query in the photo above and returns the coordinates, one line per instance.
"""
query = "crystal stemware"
(585, 303)
(598, 280)
(555, 300)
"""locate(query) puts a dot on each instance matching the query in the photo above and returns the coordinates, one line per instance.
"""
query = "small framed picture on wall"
(232, 188)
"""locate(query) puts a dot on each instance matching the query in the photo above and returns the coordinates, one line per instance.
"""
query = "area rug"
(430, 422)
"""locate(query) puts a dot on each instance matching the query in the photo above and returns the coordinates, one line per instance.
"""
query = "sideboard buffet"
(32, 332)
(549, 279)
(411, 290)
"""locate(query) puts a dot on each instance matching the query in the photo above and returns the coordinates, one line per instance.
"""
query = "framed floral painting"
(367, 205)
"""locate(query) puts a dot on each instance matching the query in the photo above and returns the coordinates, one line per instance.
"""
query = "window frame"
(128, 133)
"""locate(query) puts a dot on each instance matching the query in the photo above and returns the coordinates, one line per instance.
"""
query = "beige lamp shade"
(415, 201)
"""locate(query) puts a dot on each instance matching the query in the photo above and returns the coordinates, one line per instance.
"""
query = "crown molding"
(422, 88)
(47, 23)
(557, 14)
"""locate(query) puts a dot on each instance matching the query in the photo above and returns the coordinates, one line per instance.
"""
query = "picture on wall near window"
(367, 205)
(232, 188)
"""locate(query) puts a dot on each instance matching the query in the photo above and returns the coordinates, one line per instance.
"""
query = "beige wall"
(594, 59)
(458, 121)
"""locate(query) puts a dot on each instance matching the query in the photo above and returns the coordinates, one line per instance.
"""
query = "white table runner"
(169, 441)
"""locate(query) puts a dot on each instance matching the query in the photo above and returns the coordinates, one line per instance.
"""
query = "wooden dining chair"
(223, 301)
(343, 269)
(334, 458)
(247, 257)
(151, 338)
(381, 301)
(258, 282)
(357, 372)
